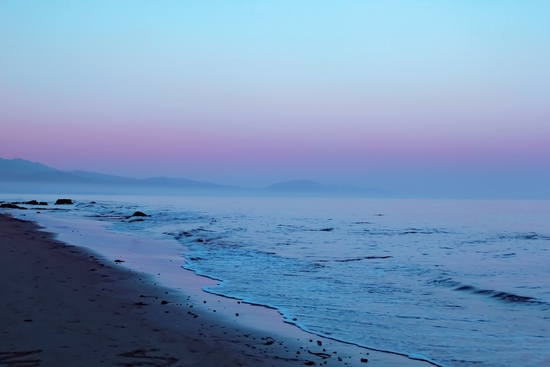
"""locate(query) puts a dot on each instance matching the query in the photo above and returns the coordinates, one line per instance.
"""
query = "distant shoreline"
(89, 307)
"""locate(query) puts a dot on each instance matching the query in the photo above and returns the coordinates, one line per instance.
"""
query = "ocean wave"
(499, 295)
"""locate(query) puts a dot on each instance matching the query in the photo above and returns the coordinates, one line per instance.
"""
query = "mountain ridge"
(18, 175)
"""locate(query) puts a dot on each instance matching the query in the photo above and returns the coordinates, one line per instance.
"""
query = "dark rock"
(32, 202)
(364, 360)
(139, 214)
(164, 302)
(63, 202)
(12, 206)
(182, 234)
(327, 229)
(319, 343)
(93, 202)
(43, 203)
(119, 261)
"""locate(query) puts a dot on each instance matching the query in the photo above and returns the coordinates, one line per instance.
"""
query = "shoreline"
(215, 339)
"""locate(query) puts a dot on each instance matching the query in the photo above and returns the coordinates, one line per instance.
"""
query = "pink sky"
(349, 93)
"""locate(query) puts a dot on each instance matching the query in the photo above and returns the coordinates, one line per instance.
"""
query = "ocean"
(455, 282)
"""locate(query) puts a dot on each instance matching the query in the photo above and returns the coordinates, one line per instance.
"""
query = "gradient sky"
(419, 95)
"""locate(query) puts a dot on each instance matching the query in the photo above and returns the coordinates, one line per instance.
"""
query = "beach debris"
(309, 363)
(63, 202)
(269, 340)
(237, 314)
(319, 343)
(327, 229)
(149, 358)
(119, 261)
(139, 214)
(364, 360)
(320, 354)
(164, 302)
(140, 303)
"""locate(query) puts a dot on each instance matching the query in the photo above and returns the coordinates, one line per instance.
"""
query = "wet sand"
(62, 305)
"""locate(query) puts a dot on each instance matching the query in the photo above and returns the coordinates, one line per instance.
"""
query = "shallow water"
(460, 283)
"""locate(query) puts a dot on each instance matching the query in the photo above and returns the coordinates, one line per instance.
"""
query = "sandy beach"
(64, 306)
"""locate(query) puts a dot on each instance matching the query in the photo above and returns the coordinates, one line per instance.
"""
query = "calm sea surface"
(456, 282)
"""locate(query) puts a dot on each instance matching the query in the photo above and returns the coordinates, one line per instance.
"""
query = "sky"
(440, 97)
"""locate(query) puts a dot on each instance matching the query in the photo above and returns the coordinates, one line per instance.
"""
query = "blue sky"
(372, 93)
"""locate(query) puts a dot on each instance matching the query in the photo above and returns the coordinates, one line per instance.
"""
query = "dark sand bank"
(61, 305)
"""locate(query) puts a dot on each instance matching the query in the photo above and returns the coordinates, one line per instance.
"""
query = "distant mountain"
(22, 171)
(21, 176)
(311, 188)
(20, 167)
(100, 178)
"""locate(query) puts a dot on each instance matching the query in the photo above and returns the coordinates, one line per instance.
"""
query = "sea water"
(455, 282)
